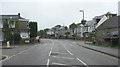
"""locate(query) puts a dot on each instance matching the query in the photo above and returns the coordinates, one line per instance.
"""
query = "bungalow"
(107, 32)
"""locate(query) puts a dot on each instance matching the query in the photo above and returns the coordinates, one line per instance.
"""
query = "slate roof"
(110, 23)
(15, 17)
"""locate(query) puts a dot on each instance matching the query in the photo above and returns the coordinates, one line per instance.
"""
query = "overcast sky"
(48, 13)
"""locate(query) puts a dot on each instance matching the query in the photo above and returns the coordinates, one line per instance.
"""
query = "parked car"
(27, 41)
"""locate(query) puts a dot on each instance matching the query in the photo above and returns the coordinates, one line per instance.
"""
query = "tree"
(6, 25)
(73, 26)
(66, 28)
(58, 26)
(17, 37)
(67, 34)
(41, 33)
(83, 22)
(45, 30)
(33, 29)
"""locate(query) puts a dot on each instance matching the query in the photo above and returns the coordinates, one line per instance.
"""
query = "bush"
(17, 37)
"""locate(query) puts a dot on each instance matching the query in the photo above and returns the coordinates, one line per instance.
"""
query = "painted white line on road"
(82, 62)
(49, 53)
(52, 46)
(60, 53)
(58, 64)
(67, 50)
(51, 49)
(62, 57)
(23, 51)
(48, 62)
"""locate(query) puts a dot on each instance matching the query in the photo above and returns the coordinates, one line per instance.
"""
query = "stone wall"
(105, 33)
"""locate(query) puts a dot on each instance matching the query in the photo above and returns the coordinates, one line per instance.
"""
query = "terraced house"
(14, 27)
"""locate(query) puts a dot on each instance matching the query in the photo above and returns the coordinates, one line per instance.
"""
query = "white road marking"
(52, 46)
(82, 62)
(67, 50)
(60, 53)
(48, 61)
(58, 64)
(22, 51)
(49, 53)
(62, 57)
(51, 49)
(8, 57)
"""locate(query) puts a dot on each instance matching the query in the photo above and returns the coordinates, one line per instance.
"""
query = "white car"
(27, 41)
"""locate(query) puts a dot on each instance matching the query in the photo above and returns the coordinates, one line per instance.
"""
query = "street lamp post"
(83, 21)
(83, 13)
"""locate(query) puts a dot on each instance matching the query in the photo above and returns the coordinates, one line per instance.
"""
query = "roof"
(90, 23)
(110, 23)
(102, 21)
(9, 16)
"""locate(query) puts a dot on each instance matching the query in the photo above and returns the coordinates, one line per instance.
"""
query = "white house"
(90, 26)
(80, 30)
(50, 32)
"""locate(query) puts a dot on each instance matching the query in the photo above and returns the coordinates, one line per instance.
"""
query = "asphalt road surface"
(59, 52)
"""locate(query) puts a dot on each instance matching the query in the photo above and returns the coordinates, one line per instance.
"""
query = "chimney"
(18, 15)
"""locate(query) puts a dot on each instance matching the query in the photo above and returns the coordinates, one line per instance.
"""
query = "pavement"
(106, 50)
(57, 52)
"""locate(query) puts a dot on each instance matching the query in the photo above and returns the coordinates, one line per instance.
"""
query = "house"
(80, 30)
(107, 32)
(62, 31)
(55, 29)
(50, 32)
(88, 29)
(19, 25)
(104, 18)
(1, 32)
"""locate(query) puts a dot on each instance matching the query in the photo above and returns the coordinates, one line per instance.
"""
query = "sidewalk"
(5, 47)
(105, 50)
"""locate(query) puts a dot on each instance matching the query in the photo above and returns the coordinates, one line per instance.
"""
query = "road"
(59, 52)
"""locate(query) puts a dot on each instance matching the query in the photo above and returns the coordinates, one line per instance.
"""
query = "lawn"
(117, 47)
